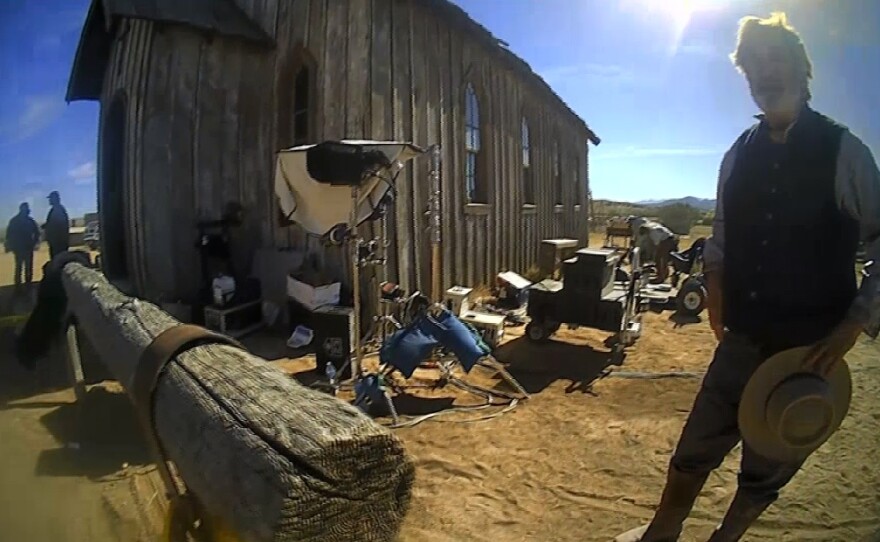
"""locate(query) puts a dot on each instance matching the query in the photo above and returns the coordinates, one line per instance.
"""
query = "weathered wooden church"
(197, 96)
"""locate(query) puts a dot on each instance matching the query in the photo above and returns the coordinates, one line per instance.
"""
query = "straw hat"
(786, 413)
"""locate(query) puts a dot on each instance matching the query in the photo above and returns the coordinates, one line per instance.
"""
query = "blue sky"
(651, 77)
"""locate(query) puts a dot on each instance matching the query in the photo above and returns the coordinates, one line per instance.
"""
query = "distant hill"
(680, 215)
(698, 203)
(613, 203)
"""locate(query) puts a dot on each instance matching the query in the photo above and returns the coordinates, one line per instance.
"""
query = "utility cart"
(589, 295)
(691, 295)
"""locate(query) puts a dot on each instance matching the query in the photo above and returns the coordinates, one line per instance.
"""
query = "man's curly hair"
(774, 29)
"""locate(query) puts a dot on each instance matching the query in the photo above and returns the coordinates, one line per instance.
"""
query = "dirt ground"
(583, 463)
(7, 264)
(583, 460)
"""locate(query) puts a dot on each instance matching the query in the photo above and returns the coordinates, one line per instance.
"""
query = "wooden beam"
(276, 460)
(74, 363)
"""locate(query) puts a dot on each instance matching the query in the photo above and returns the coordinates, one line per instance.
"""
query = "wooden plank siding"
(208, 113)
(130, 58)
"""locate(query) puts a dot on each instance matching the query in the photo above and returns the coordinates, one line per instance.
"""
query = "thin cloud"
(38, 113)
(83, 171)
(83, 174)
(643, 152)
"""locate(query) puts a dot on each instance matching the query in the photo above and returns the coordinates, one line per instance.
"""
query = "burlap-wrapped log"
(277, 460)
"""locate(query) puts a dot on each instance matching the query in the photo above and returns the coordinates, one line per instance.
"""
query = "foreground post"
(274, 460)
(74, 363)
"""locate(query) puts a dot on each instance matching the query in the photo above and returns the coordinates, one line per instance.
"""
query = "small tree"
(708, 218)
(679, 217)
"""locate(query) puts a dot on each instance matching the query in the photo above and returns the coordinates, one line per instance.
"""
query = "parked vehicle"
(691, 298)
(92, 236)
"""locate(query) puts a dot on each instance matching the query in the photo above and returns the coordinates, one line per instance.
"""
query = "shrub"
(679, 217)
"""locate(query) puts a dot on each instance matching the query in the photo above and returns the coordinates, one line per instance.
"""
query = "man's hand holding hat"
(827, 353)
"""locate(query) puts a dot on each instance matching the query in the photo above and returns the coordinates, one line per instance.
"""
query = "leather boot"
(676, 503)
(739, 517)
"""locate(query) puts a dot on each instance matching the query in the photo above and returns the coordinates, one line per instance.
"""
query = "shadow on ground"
(100, 435)
(16, 303)
(96, 436)
(49, 374)
(271, 345)
(537, 366)
(307, 377)
(413, 405)
(681, 320)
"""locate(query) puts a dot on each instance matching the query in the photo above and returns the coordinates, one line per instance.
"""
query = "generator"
(588, 295)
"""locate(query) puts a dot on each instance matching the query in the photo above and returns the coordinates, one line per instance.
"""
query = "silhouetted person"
(22, 237)
(57, 226)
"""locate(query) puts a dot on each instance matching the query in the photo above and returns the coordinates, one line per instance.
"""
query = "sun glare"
(676, 14)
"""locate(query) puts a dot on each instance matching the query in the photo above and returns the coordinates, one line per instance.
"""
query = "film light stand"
(361, 253)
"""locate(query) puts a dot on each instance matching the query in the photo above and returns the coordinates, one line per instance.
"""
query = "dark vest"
(789, 250)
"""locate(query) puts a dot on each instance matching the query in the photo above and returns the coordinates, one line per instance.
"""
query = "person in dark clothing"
(57, 226)
(797, 194)
(22, 237)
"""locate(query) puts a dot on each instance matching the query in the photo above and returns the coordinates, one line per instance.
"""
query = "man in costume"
(797, 193)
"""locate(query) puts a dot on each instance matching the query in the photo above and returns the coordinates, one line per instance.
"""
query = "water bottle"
(330, 371)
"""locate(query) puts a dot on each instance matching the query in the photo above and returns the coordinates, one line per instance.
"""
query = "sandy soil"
(583, 460)
(7, 264)
(577, 465)
(11, 304)
(70, 472)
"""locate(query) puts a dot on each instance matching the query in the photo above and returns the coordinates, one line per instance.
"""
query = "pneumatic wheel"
(537, 332)
(691, 298)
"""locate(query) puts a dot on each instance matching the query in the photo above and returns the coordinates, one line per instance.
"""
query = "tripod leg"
(390, 405)
(493, 364)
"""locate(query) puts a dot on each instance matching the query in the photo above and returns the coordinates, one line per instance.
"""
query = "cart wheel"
(691, 298)
(537, 332)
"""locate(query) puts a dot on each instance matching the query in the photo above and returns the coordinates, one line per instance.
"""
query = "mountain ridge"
(703, 204)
